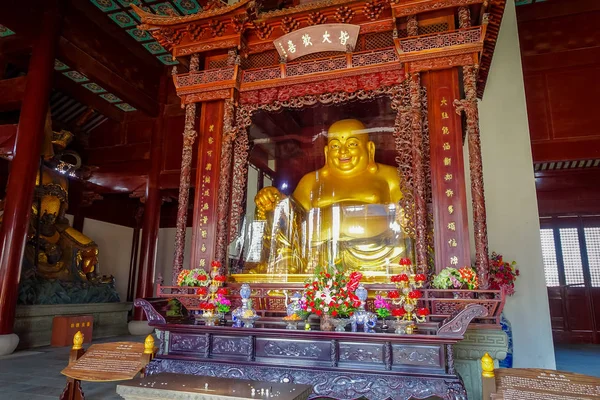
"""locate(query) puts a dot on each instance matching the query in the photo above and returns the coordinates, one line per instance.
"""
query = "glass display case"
(323, 187)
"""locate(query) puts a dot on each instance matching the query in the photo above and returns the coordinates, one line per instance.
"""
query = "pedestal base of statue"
(340, 365)
(33, 324)
(8, 343)
(468, 353)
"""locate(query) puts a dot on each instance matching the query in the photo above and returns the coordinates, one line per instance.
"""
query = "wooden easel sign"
(108, 362)
(105, 362)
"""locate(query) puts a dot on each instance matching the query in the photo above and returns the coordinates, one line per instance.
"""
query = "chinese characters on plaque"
(449, 181)
(317, 38)
(205, 193)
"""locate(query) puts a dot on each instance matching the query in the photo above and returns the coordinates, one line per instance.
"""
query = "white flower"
(326, 309)
(308, 309)
(340, 301)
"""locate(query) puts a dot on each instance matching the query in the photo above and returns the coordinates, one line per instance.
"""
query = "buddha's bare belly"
(347, 221)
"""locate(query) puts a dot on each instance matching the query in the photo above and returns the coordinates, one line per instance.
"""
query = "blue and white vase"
(507, 328)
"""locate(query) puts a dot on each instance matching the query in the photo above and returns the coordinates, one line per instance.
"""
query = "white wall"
(512, 213)
(164, 254)
(114, 243)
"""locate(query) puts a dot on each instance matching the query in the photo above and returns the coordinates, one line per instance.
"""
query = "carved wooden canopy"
(387, 44)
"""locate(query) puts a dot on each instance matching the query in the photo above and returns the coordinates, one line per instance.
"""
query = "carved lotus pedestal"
(334, 363)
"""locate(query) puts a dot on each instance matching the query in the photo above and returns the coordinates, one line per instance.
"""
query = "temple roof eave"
(150, 20)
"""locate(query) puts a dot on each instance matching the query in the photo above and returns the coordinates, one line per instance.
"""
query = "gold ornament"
(78, 341)
(487, 366)
(149, 345)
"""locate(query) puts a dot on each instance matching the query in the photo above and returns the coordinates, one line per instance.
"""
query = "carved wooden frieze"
(231, 345)
(419, 356)
(361, 352)
(316, 18)
(186, 343)
(295, 349)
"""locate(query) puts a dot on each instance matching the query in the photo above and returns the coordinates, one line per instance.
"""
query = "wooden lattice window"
(571, 251)
(592, 241)
(259, 60)
(433, 28)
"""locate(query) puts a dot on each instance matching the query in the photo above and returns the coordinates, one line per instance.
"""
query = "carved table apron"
(339, 365)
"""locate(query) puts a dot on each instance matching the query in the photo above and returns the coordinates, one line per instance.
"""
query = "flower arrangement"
(502, 274)
(331, 292)
(452, 278)
(193, 277)
(382, 307)
(468, 277)
(448, 278)
(222, 304)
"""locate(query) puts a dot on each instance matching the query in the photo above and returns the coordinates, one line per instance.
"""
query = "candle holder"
(406, 296)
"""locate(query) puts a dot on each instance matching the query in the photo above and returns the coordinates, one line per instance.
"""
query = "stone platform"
(33, 324)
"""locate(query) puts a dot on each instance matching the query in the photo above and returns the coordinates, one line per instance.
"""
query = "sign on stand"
(108, 362)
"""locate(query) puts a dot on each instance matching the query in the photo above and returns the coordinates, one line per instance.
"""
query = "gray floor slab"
(35, 374)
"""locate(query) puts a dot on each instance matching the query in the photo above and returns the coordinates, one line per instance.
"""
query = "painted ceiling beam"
(97, 72)
(97, 35)
(88, 98)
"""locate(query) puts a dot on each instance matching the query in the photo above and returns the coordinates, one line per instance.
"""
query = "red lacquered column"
(151, 218)
(25, 164)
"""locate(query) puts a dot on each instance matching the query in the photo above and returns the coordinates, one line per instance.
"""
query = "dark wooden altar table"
(340, 365)
(177, 386)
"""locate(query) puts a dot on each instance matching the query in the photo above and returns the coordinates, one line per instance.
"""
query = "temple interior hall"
(343, 199)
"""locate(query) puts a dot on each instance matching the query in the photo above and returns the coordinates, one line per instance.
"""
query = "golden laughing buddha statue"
(346, 211)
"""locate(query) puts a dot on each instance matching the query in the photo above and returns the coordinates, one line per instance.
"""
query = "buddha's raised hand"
(266, 199)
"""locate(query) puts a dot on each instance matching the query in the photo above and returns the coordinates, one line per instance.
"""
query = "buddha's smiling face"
(348, 147)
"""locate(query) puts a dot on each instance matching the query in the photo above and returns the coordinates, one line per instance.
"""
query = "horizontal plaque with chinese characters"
(316, 39)
(108, 362)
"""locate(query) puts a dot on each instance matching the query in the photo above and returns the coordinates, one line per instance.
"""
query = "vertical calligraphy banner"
(204, 233)
(450, 218)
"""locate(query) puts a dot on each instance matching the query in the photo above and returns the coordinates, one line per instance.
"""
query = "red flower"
(216, 264)
(393, 294)
(201, 277)
(405, 261)
(423, 312)
(207, 306)
(202, 291)
(355, 278)
(415, 294)
(334, 313)
(220, 278)
(318, 312)
(398, 312)
(327, 276)
(222, 291)
(399, 278)
(420, 277)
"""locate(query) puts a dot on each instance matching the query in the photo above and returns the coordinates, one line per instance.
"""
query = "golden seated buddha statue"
(63, 252)
(345, 212)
